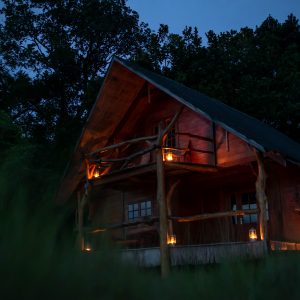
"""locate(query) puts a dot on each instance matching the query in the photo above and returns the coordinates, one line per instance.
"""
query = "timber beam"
(191, 167)
(124, 143)
(146, 221)
(216, 215)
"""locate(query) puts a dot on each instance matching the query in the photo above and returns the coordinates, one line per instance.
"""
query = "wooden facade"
(149, 167)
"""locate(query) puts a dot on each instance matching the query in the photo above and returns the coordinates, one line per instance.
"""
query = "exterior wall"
(285, 201)
(106, 209)
(142, 235)
(110, 207)
(209, 195)
(197, 194)
(192, 123)
(231, 150)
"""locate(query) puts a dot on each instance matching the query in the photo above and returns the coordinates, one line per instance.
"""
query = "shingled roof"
(251, 130)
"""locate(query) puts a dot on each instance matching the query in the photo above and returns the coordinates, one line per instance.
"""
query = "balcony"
(137, 156)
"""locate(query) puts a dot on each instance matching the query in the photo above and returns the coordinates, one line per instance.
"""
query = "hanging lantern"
(171, 240)
(252, 235)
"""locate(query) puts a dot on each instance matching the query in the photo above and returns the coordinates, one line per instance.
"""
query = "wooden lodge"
(175, 177)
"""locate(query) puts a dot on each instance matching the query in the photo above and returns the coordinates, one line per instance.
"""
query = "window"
(244, 201)
(139, 210)
(249, 202)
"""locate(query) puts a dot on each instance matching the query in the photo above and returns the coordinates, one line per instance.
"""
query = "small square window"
(139, 210)
(244, 201)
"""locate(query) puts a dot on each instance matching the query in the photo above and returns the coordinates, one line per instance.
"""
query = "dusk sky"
(218, 15)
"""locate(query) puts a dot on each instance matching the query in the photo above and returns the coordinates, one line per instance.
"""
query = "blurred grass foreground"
(39, 258)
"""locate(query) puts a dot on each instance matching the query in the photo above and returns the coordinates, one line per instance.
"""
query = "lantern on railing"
(97, 173)
(169, 156)
(171, 240)
(252, 235)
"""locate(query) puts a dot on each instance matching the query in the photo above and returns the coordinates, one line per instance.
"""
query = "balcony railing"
(140, 151)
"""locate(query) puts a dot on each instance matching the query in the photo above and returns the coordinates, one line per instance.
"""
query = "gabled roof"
(251, 130)
(121, 86)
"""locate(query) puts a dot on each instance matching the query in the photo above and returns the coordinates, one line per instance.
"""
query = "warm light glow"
(169, 156)
(252, 235)
(97, 173)
(172, 239)
(88, 249)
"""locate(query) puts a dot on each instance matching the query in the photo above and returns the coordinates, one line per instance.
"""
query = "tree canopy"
(54, 54)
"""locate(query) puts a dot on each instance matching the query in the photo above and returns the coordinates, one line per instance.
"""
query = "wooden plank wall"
(231, 150)
(107, 209)
(288, 200)
(190, 122)
(208, 195)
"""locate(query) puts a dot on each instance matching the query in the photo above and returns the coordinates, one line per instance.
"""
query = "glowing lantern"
(87, 247)
(252, 235)
(171, 240)
(97, 173)
(169, 156)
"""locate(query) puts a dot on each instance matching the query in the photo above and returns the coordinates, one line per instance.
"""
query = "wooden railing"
(197, 254)
(121, 155)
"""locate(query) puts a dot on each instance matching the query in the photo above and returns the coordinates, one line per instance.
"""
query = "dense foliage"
(53, 56)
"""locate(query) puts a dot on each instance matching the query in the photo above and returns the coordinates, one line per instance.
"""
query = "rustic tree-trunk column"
(80, 222)
(261, 196)
(82, 202)
(163, 219)
(161, 195)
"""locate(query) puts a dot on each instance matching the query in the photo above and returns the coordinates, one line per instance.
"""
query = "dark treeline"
(54, 54)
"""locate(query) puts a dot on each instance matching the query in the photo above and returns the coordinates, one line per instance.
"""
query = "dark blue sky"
(218, 15)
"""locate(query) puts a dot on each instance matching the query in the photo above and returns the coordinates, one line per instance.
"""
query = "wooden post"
(261, 196)
(82, 201)
(163, 219)
(80, 222)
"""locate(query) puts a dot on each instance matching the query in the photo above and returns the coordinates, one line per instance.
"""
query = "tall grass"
(39, 261)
